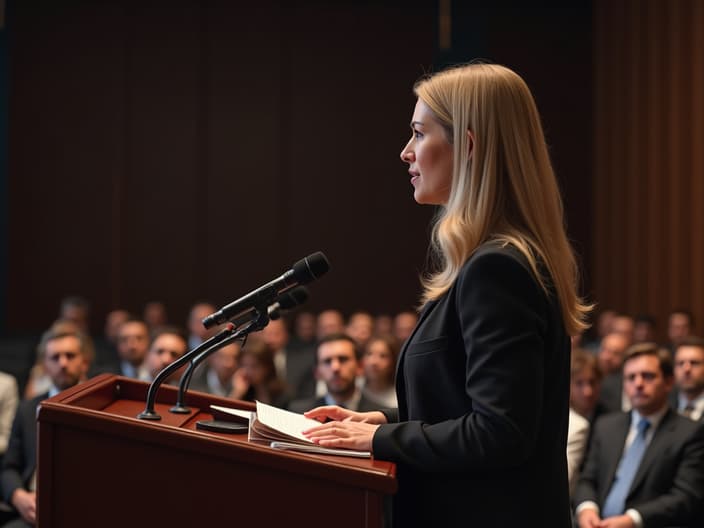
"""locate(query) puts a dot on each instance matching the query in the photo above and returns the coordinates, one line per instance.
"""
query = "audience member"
(329, 322)
(338, 366)
(168, 343)
(383, 325)
(644, 329)
(379, 365)
(644, 468)
(304, 331)
(689, 378)
(218, 375)
(680, 324)
(197, 332)
(65, 359)
(9, 398)
(293, 366)
(106, 347)
(39, 381)
(404, 323)
(585, 386)
(132, 347)
(602, 327)
(76, 309)
(577, 438)
(155, 315)
(256, 379)
(360, 327)
(610, 359)
(611, 351)
(623, 324)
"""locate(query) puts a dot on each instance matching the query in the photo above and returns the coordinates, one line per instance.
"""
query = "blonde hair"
(506, 190)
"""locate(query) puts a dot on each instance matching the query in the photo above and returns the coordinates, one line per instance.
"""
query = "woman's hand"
(333, 412)
(349, 434)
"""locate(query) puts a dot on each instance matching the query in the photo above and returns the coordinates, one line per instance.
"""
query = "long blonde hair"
(506, 189)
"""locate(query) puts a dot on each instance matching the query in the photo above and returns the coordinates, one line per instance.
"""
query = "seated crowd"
(635, 447)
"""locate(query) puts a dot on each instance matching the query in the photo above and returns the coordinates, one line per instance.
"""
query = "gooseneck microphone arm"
(180, 407)
(148, 413)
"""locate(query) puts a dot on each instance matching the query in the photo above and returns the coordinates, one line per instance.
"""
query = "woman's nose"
(406, 153)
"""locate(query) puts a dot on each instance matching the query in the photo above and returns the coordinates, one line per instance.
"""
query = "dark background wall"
(190, 150)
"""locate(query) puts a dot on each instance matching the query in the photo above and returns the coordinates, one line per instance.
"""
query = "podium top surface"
(110, 404)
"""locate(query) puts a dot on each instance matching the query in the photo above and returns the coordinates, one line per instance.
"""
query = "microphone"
(302, 272)
(288, 300)
(285, 301)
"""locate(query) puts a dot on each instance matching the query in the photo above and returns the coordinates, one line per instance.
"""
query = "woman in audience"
(379, 364)
(256, 379)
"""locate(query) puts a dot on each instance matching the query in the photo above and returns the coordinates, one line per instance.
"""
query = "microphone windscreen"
(310, 268)
(293, 298)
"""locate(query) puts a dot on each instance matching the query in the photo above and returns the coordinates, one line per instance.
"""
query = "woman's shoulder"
(495, 251)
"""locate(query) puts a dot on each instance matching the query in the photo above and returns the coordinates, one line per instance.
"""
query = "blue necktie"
(615, 503)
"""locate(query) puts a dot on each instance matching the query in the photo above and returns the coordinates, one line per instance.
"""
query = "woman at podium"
(479, 438)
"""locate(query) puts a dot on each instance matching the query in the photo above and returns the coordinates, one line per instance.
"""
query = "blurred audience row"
(621, 472)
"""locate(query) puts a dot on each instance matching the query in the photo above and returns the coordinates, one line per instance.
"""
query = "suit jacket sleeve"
(14, 462)
(502, 314)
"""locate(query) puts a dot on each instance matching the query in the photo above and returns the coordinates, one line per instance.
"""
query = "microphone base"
(149, 415)
(180, 409)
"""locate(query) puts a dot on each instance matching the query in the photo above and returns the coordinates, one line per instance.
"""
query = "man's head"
(623, 324)
(113, 321)
(611, 351)
(275, 334)
(200, 311)
(168, 344)
(64, 356)
(644, 329)
(155, 314)
(338, 365)
(133, 342)
(305, 326)
(76, 309)
(360, 327)
(404, 323)
(329, 322)
(585, 382)
(225, 362)
(647, 377)
(689, 367)
(679, 326)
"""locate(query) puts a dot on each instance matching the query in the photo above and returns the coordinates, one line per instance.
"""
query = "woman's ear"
(470, 144)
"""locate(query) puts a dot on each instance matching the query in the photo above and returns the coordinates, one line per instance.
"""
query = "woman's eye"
(417, 135)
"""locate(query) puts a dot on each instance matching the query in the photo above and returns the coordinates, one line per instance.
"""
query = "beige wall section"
(648, 235)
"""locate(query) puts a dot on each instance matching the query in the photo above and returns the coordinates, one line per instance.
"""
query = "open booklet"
(283, 430)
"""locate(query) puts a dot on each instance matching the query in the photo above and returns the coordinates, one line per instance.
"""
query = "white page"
(234, 412)
(285, 421)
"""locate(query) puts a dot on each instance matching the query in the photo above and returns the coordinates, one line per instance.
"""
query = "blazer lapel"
(400, 382)
(613, 452)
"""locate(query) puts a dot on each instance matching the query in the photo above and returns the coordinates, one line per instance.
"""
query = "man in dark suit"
(66, 362)
(688, 399)
(644, 468)
(338, 366)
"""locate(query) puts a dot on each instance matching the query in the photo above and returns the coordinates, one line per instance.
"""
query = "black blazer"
(668, 489)
(483, 393)
(21, 455)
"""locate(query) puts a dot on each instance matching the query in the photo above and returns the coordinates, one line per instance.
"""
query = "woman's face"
(378, 362)
(429, 156)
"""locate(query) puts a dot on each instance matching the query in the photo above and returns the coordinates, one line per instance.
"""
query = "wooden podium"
(98, 465)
